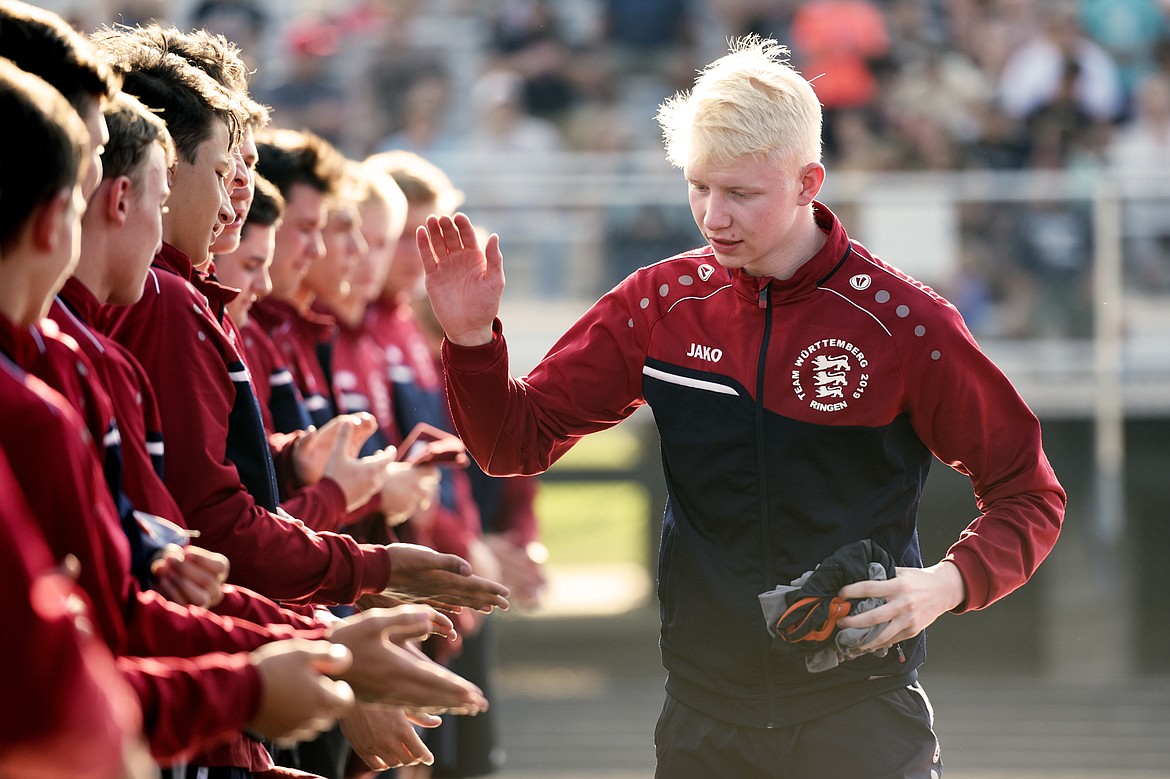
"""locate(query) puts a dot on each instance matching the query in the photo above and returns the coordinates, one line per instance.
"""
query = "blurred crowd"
(907, 85)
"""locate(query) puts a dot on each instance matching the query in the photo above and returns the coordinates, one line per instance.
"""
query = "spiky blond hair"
(750, 101)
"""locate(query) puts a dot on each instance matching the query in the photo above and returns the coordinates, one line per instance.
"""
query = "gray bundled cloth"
(843, 644)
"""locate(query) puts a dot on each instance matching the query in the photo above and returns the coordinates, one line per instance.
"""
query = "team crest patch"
(829, 374)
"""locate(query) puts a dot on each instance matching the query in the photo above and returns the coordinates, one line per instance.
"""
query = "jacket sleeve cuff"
(476, 358)
(376, 568)
(332, 496)
(975, 581)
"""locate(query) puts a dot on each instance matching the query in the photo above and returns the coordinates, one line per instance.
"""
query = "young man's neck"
(302, 299)
(91, 272)
(348, 310)
(803, 249)
(17, 303)
(395, 298)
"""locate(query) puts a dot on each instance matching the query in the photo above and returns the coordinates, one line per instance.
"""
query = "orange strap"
(838, 607)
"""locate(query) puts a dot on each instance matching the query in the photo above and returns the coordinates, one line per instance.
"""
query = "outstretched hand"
(465, 283)
(419, 574)
(388, 668)
(297, 699)
(384, 736)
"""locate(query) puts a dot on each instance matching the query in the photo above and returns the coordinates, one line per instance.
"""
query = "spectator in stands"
(945, 86)
(503, 128)
(422, 125)
(770, 18)
(648, 35)
(527, 38)
(1140, 151)
(1129, 30)
(243, 22)
(1061, 59)
(838, 43)
(309, 96)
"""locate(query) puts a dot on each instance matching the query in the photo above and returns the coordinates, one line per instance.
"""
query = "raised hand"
(408, 489)
(332, 451)
(465, 283)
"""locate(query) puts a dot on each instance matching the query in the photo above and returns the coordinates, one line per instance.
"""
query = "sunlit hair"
(134, 129)
(378, 187)
(749, 102)
(351, 187)
(41, 42)
(267, 207)
(187, 99)
(419, 179)
(289, 157)
(212, 53)
(45, 148)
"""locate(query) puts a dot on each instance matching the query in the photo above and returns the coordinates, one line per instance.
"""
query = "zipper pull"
(764, 295)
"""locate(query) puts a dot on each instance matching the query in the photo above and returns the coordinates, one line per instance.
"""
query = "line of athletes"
(211, 343)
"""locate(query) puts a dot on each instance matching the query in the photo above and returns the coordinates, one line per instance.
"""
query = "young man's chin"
(239, 314)
(227, 241)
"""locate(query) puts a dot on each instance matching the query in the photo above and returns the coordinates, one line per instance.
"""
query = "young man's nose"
(227, 213)
(716, 216)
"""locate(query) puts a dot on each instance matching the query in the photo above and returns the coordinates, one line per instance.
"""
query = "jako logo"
(860, 281)
(705, 353)
(705, 271)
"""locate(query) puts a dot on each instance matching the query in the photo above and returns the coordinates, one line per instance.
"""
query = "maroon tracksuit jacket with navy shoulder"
(191, 364)
(795, 416)
(188, 704)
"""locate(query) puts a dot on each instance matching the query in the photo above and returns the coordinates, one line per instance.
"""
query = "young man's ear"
(113, 199)
(812, 178)
(46, 221)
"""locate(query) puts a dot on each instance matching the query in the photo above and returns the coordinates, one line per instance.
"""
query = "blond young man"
(801, 387)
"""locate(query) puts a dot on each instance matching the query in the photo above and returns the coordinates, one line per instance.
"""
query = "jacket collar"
(808, 276)
(324, 311)
(171, 259)
(21, 344)
(78, 298)
(271, 314)
(218, 295)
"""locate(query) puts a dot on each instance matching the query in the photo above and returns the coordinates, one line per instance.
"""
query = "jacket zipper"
(761, 464)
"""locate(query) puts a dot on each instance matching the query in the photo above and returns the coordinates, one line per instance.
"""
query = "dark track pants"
(888, 736)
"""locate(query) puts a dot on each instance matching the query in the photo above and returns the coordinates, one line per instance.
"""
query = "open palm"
(465, 283)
